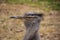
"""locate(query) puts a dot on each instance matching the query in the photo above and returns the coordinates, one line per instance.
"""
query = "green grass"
(46, 4)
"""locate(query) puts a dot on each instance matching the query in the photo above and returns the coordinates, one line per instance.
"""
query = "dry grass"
(13, 29)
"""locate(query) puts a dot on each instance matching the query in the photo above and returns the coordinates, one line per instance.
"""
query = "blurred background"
(14, 29)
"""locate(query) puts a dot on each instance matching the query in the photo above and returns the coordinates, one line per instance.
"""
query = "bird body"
(31, 22)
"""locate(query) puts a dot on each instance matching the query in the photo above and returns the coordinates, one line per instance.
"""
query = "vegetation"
(46, 4)
(14, 29)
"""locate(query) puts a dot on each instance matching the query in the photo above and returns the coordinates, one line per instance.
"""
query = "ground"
(14, 29)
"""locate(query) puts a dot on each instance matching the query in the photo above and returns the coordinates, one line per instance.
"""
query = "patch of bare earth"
(13, 29)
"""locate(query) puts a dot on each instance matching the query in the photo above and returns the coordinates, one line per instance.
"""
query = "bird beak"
(17, 17)
(22, 17)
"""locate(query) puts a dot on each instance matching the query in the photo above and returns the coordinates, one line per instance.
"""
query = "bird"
(32, 22)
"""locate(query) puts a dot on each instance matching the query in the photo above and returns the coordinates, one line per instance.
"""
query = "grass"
(47, 5)
(9, 27)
